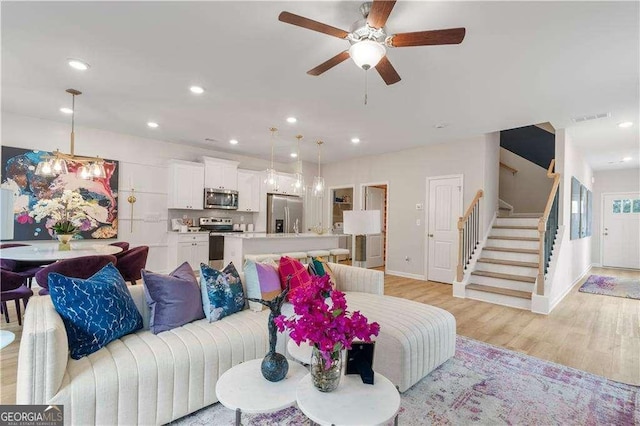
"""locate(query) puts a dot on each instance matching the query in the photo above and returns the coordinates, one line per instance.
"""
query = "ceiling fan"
(369, 39)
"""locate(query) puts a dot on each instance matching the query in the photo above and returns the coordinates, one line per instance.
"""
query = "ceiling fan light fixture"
(367, 53)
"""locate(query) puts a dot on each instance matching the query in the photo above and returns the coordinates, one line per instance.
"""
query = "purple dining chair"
(26, 269)
(78, 267)
(12, 288)
(131, 262)
(122, 244)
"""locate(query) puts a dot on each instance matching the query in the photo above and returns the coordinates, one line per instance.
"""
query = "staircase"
(506, 270)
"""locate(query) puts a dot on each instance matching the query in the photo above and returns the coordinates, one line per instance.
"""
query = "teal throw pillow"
(222, 293)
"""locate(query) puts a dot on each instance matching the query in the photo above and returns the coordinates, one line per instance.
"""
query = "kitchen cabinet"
(192, 248)
(186, 185)
(220, 174)
(285, 184)
(249, 191)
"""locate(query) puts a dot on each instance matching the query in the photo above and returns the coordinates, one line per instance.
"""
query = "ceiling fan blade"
(428, 38)
(380, 11)
(310, 24)
(327, 65)
(387, 71)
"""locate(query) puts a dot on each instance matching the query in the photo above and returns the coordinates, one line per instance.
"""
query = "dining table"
(49, 252)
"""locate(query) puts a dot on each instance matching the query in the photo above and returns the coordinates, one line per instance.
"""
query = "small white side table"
(243, 389)
(300, 353)
(6, 337)
(353, 403)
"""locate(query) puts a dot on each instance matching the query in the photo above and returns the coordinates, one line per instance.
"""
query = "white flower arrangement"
(67, 213)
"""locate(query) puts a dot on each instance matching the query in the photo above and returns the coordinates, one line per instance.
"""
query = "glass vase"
(64, 241)
(325, 375)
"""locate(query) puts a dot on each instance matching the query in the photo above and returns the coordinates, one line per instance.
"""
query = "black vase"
(274, 367)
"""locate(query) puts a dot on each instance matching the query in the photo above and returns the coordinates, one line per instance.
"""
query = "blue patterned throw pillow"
(95, 311)
(222, 293)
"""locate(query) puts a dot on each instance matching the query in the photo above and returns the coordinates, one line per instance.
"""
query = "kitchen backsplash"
(237, 217)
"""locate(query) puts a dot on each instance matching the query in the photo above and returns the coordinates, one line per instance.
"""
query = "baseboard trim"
(596, 265)
(406, 275)
(555, 302)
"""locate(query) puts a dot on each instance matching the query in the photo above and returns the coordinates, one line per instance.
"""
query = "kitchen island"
(236, 246)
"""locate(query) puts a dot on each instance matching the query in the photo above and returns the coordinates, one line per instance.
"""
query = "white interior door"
(621, 230)
(445, 206)
(375, 200)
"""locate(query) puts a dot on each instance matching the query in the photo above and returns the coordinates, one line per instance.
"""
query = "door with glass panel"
(621, 230)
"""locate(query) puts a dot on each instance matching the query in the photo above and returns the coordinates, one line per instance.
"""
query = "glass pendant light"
(44, 168)
(97, 170)
(271, 178)
(298, 184)
(318, 181)
(84, 172)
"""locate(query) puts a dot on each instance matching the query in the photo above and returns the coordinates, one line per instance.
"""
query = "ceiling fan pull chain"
(366, 87)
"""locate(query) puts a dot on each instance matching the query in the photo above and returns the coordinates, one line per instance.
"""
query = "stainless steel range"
(216, 226)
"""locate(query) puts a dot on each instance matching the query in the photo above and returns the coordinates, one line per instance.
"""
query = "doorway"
(341, 200)
(445, 207)
(621, 221)
(375, 197)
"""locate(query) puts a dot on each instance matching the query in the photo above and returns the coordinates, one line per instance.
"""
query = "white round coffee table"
(243, 389)
(6, 337)
(300, 353)
(353, 403)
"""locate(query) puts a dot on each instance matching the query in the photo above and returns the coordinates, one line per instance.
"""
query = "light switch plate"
(419, 206)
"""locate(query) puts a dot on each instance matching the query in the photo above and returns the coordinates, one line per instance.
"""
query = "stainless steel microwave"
(215, 198)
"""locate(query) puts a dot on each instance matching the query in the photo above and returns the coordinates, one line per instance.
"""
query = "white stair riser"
(508, 232)
(507, 269)
(516, 221)
(501, 283)
(500, 299)
(505, 255)
(530, 245)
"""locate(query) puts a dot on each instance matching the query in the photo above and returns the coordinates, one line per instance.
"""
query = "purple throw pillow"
(173, 299)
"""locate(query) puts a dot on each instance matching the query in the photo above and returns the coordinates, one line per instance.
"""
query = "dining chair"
(78, 267)
(26, 269)
(122, 244)
(131, 262)
(12, 288)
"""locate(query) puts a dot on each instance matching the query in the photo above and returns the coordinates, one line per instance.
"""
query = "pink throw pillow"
(299, 275)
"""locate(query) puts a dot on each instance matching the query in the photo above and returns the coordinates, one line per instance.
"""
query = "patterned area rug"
(484, 384)
(612, 286)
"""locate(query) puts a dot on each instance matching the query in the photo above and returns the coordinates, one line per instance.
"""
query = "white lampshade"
(367, 53)
(361, 222)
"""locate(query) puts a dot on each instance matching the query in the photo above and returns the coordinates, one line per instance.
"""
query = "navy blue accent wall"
(531, 143)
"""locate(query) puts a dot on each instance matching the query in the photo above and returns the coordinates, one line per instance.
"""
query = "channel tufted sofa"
(153, 379)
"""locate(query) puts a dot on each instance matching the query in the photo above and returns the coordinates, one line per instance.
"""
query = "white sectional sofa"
(153, 379)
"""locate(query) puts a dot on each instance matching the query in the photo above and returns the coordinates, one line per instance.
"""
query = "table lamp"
(360, 223)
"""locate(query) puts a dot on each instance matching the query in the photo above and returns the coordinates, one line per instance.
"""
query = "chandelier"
(271, 175)
(58, 162)
(318, 181)
(298, 184)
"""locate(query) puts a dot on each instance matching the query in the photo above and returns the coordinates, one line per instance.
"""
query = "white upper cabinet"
(249, 191)
(285, 184)
(186, 185)
(220, 174)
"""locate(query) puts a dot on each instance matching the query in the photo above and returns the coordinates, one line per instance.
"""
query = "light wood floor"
(599, 334)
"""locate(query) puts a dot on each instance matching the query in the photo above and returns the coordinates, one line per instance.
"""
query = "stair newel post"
(542, 227)
(459, 272)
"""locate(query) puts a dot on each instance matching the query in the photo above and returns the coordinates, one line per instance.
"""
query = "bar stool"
(262, 257)
(334, 253)
(300, 255)
(318, 253)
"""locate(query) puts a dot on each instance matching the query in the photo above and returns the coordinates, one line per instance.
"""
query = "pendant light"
(298, 185)
(318, 181)
(56, 164)
(271, 178)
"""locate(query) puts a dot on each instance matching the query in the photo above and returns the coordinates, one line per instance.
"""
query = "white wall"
(143, 164)
(574, 256)
(528, 189)
(627, 180)
(406, 172)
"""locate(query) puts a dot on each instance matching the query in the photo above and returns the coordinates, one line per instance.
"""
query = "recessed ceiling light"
(291, 119)
(78, 64)
(625, 124)
(440, 126)
(355, 140)
(66, 110)
(152, 124)
(293, 155)
(233, 141)
(627, 159)
(197, 90)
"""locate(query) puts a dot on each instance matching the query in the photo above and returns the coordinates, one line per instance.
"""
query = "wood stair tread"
(514, 238)
(498, 290)
(509, 262)
(502, 276)
(512, 250)
(514, 227)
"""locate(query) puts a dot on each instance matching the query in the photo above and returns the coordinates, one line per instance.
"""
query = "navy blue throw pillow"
(222, 293)
(95, 311)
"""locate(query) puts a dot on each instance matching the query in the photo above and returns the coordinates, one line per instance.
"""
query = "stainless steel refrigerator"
(284, 214)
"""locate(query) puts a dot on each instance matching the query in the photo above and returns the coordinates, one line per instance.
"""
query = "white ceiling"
(521, 63)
